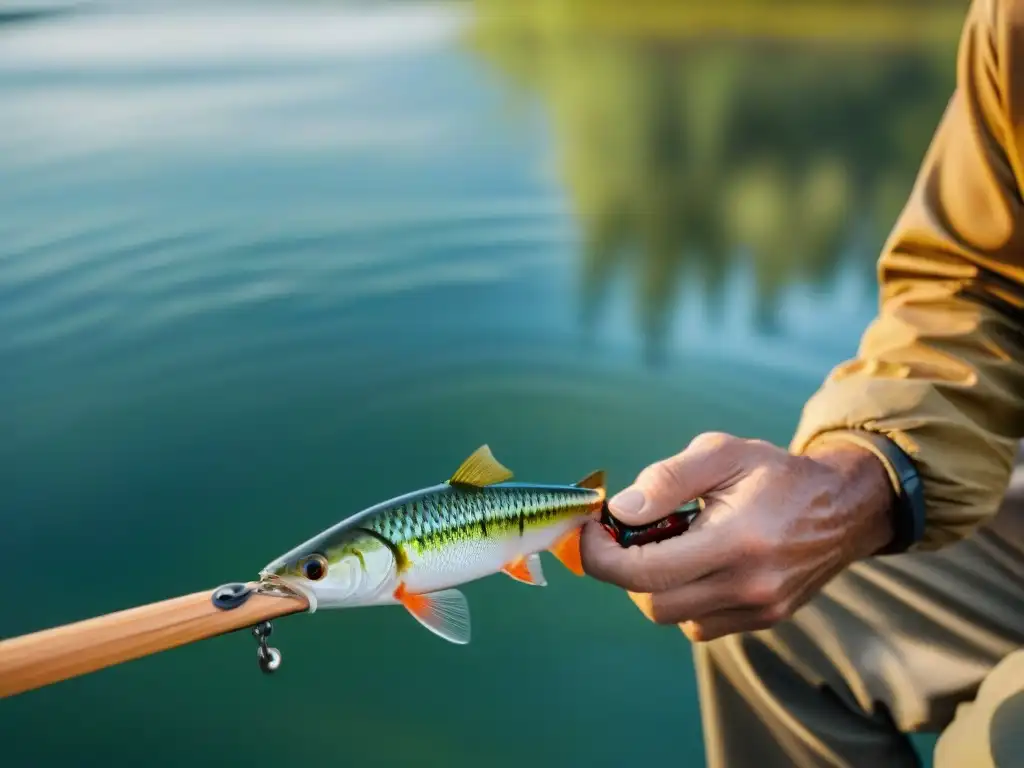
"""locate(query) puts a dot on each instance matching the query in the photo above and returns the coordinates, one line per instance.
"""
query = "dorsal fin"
(480, 469)
(594, 481)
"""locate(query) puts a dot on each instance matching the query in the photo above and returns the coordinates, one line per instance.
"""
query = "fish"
(415, 550)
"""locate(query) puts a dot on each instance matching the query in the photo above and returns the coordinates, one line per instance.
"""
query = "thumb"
(711, 461)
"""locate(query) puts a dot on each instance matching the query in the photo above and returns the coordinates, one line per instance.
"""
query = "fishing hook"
(269, 658)
(230, 596)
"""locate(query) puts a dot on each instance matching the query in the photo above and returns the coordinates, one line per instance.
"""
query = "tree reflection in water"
(688, 154)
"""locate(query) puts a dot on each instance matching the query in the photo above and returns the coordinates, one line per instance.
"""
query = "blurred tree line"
(694, 135)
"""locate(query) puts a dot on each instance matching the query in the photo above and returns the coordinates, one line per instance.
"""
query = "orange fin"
(567, 550)
(527, 570)
(445, 613)
(594, 481)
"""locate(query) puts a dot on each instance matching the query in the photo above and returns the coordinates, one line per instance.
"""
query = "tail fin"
(594, 481)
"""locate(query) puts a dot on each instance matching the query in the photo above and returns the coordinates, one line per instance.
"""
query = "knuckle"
(763, 447)
(661, 611)
(639, 581)
(649, 574)
(764, 590)
(614, 565)
(660, 475)
(695, 632)
(726, 453)
(774, 613)
(713, 441)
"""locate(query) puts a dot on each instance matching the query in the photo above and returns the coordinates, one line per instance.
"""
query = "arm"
(936, 392)
(940, 372)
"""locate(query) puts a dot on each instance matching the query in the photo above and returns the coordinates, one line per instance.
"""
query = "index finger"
(657, 566)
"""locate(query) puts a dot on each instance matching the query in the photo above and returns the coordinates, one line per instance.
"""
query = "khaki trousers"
(923, 642)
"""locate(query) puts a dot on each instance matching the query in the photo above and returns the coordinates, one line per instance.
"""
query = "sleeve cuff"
(909, 506)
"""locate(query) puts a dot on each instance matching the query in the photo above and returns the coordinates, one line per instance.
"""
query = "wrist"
(864, 492)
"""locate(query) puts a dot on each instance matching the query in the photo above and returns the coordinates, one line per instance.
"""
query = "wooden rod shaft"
(51, 655)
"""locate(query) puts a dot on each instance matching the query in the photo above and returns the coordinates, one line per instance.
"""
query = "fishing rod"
(52, 655)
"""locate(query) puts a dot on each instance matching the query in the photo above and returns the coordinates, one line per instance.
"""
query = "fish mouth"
(285, 586)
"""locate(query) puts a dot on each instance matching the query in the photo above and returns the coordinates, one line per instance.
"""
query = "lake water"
(263, 265)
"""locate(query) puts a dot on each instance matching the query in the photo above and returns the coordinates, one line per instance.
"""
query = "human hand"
(775, 529)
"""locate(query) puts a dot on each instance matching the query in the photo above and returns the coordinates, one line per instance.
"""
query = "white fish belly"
(476, 558)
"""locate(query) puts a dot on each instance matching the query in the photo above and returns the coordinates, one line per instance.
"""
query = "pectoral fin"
(567, 550)
(527, 570)
(481, 469)
(445, 613)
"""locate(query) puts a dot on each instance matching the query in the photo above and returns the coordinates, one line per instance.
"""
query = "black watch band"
(908, 513)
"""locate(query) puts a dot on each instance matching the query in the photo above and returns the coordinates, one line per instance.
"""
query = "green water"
(262, 267)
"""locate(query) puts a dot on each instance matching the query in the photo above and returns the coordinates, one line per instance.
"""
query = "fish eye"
(314, 567)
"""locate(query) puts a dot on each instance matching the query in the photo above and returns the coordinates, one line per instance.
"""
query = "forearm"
(950, 404)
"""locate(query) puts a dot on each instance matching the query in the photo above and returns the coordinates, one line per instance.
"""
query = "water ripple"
(76, 282)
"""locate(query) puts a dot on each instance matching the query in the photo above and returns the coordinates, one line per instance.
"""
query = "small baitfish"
(415, 549)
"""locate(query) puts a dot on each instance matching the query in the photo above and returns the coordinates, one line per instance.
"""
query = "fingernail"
(629, 501)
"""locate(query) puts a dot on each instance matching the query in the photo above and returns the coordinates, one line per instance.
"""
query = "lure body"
(449, 535)
(415, 549)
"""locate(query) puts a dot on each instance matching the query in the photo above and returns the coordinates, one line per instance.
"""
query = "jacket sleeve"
(940, 371)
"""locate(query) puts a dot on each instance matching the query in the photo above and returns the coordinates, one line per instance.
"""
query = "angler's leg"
(889, 647)
(989, 731)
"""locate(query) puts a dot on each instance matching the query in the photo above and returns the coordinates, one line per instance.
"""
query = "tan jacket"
(940, 371)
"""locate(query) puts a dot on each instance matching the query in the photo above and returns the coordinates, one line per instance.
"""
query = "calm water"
(262, 267)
